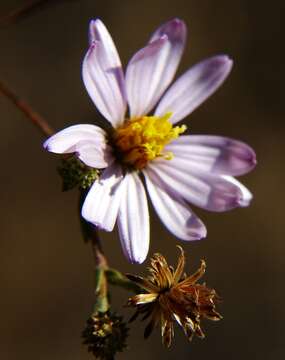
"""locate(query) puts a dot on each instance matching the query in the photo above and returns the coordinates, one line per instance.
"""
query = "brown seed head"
(171, 296)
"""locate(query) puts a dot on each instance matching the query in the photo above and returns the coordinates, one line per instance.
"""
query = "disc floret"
(140, 140)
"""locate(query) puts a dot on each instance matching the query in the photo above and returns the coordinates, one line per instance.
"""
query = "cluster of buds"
(105, 335)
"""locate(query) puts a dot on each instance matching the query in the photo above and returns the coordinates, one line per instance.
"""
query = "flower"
(177, 169)
(172, 296)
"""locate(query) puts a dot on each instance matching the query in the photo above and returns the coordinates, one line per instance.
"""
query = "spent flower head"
(171, 296)
(142, 139)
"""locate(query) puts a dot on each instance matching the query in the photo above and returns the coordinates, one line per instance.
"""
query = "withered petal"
(180, 266)
(145, 310)
(149, 310)
(134, 317)
(142, 299)
(143, 283)
(148, 330)
(171, 268)
(177, 318)
(167, 332)
(153, 322)
(188, 330)
(211, 315)
(189, 324)
(192, 279)
(161, 267)
(199, 332)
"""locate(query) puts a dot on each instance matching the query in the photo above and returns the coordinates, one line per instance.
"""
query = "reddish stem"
(32, 115)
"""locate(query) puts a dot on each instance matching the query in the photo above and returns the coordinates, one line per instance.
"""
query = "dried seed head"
(172, 296)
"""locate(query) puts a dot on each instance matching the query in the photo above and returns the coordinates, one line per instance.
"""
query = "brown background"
(46, 269)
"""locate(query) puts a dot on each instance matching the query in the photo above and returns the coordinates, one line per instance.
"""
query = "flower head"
(143, 140)
(170, 295)
(105, 335)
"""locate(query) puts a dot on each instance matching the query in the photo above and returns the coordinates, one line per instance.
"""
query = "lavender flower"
(177, 170)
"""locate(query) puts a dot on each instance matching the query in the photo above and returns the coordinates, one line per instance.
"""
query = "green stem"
(90, 234)
(101, 284)
(115, 277)
(104, 275)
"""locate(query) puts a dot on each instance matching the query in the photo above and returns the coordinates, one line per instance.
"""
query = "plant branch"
(29, 8)
(101, 283)
(25, 108)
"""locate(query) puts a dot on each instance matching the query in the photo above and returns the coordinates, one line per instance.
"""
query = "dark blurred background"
(47, 271)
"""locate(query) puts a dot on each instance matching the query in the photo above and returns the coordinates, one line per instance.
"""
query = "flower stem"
(99, 257)
(25, 108)
(90, 234)
(101, 283)
(115, 277)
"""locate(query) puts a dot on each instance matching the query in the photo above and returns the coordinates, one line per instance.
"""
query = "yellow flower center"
(140, 140)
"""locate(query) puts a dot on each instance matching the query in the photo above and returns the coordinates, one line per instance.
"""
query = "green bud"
(105, 335)
(75, 173)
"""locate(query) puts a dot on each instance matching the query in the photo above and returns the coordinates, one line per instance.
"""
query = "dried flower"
(105, 335)
(178, 169)
(172, 296)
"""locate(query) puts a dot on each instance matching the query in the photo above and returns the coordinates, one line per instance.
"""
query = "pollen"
(140, 140)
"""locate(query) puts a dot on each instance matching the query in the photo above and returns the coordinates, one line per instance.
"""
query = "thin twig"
(24, 11)
(25, 108)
